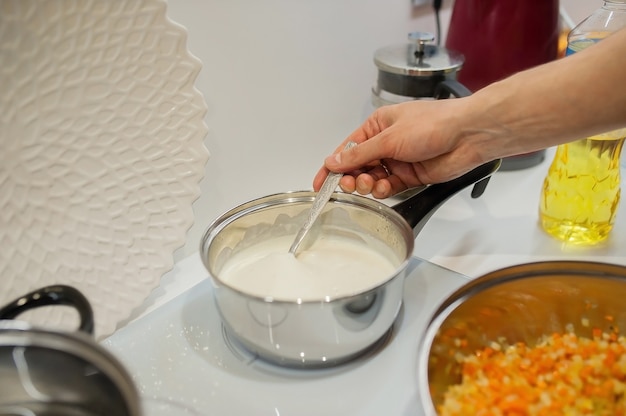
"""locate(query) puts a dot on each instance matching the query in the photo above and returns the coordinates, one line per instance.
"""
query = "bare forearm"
(571, 98)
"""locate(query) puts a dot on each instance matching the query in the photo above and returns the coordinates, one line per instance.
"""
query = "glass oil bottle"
(581, 191)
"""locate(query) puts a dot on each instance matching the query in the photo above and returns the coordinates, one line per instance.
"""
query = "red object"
(501, 37)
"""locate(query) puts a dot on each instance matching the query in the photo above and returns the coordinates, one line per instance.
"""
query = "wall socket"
(418, 3)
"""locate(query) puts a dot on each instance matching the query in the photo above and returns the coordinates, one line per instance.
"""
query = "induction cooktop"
(181, 351)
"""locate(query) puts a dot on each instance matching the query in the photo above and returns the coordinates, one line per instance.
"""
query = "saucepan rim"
(291, 197)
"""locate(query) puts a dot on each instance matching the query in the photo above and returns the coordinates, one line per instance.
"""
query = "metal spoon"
(322, 198)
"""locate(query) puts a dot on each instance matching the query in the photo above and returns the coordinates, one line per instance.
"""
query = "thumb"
(344, 160)
(335, 162)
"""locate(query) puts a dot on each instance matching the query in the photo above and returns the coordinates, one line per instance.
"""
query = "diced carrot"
(562, 374)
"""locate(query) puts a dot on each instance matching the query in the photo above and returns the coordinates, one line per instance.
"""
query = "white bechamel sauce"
(330, 268)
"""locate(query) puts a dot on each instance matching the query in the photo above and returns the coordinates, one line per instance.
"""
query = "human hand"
(403, 146)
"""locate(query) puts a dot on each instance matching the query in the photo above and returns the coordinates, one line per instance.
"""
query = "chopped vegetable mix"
(564, 374)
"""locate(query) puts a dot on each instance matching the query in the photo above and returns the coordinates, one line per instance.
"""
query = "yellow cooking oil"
(581, 191)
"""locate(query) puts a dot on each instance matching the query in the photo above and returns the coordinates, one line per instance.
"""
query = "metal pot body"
(53, 373)
(518, 304)
(310, 333)
(326, 331)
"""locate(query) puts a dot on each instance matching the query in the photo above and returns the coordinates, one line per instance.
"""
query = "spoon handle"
(323, 196)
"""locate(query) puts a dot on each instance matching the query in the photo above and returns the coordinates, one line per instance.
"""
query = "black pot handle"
(52, 295)
(417, 209)
(451, 87)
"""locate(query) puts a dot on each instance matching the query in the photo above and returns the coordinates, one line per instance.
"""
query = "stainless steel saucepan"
(329, 331)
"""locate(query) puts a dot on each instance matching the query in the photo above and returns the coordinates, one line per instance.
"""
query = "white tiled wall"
(285, 81)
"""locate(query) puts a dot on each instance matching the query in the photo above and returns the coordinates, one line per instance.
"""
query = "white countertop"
(180, 351)
(501, 228)
(174, 345)
(468, 236)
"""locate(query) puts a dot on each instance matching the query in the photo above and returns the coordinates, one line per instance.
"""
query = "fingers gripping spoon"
(322, 198)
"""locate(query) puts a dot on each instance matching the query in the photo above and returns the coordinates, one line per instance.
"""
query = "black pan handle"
(418, 209)
(52, 295)
(451, 87)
